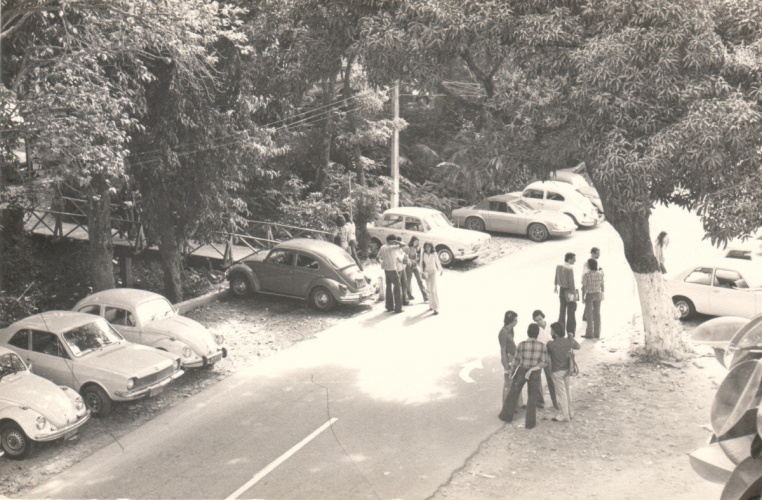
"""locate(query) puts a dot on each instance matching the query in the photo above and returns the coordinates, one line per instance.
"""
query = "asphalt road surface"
(382, 406)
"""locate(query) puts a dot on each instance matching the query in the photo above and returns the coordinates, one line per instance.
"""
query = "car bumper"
(64, 432)
(561, 232)
(471, 254)
(207, 360)
(357, 297)
(149, 390)
(588, 222)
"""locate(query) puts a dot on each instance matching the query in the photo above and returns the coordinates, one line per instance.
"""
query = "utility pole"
(395, 146)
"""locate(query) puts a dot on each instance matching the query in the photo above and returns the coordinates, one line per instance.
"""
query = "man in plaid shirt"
(531, 357)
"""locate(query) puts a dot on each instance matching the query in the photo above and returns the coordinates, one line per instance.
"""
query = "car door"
(50, 359)
(389, 224)
(306, 270)
(535, 198)
(123, 321)
(697, 286)
(555, 201)
(731, 295)
(502, 217)
(277, 272)
(414, 226)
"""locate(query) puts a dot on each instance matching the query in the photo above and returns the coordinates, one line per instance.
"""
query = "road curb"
(190, 304)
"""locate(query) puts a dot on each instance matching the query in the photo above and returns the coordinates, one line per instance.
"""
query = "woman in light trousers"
(559, 351)
(432, 269)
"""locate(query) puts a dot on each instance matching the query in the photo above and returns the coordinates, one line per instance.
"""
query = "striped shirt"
(592, 282)
(531, 353)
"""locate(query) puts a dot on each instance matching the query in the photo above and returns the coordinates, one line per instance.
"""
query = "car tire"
(322, 299)
(537, 233)
(97, 400)
(574, 219)
(475, 224)
(374, 247)
(685, 306)
(239, 285)
(15, 442)
(445, 256)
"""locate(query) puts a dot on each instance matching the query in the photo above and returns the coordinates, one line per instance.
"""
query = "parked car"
(718, 287)
(581, 184)
(33, 409)
(561, 197)
(751, 249)
(717, 333)
(732, 454)
(313, 270)
(85, 353)
(429, 225)
(509, 213)
(147, 318)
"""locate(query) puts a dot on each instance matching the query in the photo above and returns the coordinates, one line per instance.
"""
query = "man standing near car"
(390, 257)
(567, 293)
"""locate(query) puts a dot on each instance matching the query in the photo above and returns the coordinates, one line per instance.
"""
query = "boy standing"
(531, 357)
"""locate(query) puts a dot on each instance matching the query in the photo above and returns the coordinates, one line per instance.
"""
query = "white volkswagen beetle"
(34, 409)
(147, 318)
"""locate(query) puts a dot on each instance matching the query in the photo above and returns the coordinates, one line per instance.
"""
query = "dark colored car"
(733, 455)
(313, 270)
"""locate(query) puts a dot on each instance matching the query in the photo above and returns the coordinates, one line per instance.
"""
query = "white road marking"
(465, 372)
(275, 463)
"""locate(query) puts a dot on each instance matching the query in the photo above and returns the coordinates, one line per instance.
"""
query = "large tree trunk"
(99, 229)
(662, 334)
(171, 257)
(327, 142)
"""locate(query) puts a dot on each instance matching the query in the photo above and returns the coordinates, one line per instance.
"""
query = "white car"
(561, 197)
(718, 287)
(33, 409)
(147, 318)
(429, 225)
(85, 353)
(581, 184)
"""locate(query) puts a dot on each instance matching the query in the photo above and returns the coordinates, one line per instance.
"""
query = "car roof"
(120, 296)
(412, 211)
(309, 244)
(54, 321)
(557, 185)
(505, 197)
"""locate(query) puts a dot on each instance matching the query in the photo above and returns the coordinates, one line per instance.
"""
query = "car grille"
(153, 378)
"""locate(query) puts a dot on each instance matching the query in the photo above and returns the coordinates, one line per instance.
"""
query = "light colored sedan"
(147, 318)
(509, 213)
(33, 409)
(718, 287)
(561, 197)
(581, 184)
(428, 225)
(85, 353)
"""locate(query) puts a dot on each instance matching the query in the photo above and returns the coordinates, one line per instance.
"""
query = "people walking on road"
(559, 352)
(432, 269)
(390, 257)
(531, 357)
(351, 232)
(567, 293)
(595, 253)
(660, 244)
(413, 252)
(592, 294)
(508, 351)
(545, 336)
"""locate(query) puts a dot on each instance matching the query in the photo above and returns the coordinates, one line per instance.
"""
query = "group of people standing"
(401, 263)
(592, 294)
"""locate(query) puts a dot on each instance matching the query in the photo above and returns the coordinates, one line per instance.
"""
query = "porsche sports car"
(509, 213)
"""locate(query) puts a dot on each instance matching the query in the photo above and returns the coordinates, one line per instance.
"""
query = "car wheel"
(445, 256)
(15, 442)
(537, 232)
(685, 306)
(322, 299)
(374, 247)
(239, 285)
(475, 224)
(574, 219)
(97, 400)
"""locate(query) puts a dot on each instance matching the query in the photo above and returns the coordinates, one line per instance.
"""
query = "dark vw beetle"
(734, 453)
(314, 270)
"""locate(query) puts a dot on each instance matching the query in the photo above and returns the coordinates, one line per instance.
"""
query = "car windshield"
(10, 363)
(339, 258)
(438, 220)
(154, 309)
(521, 207)
(91, 336)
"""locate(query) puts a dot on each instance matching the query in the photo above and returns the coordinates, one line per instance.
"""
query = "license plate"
(156, 390)
(215, 357)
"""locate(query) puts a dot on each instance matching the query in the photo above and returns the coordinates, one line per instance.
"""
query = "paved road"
(381, 406)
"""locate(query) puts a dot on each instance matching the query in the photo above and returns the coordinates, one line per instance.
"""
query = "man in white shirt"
(545, 336)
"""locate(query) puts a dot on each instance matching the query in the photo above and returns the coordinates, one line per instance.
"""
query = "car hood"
(185, 330)
(129, 360)
(551, 217)
(41, 395)
(463, 236)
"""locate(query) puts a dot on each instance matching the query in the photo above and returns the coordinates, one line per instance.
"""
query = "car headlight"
(343, 289)
(130, 384)
(219, 338)
(187, 353)
(79, 403)
(41, 422)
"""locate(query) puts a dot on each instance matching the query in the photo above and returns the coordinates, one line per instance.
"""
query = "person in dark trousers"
(401, 269)
(508, 351)
(545, 336)
(531, 357)
(566, 290)
(413, 252)
(390, 257)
